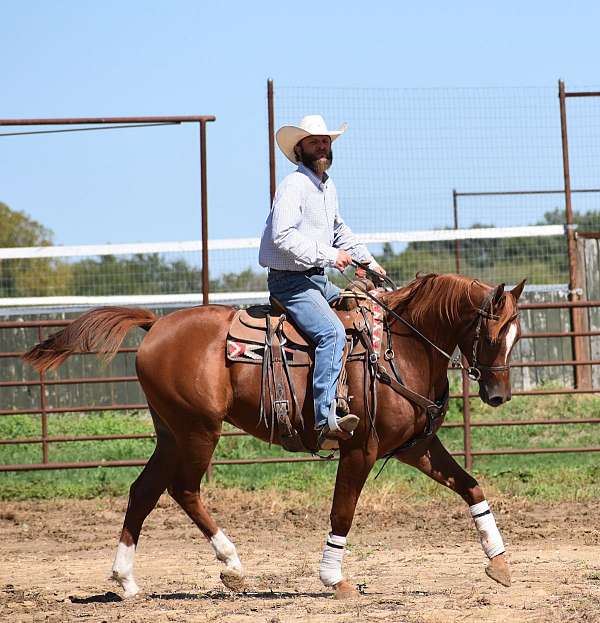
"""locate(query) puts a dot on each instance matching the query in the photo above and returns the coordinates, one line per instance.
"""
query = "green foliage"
(239, 282)
(140, 274)
(19, 230)
(541, 260)
(106, 275)
(26, 277)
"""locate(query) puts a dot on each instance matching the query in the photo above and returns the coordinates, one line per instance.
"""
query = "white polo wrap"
(330, 570)
(489, 535)
(225, 551)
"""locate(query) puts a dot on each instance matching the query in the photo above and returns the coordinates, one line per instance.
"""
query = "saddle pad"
(247, 332)
(252, 352)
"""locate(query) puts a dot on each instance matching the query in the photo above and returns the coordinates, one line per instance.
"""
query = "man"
(303, 235)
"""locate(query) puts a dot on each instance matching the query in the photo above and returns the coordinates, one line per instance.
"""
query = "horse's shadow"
(223, 595)
(110, 596)
(105, 598)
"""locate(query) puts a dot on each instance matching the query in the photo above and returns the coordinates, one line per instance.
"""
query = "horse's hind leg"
(437, 463)
(143, 496)
(196, 451)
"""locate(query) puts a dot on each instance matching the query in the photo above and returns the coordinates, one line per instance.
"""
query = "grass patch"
(536, 477)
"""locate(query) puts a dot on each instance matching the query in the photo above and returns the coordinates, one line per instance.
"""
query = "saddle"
(248, 330)
(262, 335)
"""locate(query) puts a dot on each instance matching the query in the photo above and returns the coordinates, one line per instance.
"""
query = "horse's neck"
(443, 333)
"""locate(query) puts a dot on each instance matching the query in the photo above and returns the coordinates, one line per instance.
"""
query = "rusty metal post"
(271, 114)
(456, 242)
(43, 407)
(574, 289)
(205, 284)
(466, 419)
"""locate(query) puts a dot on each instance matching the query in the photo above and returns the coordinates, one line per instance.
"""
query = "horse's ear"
(518, 290)
(498, 292)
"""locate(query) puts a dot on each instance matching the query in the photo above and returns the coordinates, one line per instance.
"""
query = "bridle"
(475, 369)
(434, 409)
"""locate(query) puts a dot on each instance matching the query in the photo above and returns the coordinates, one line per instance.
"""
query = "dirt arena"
(412, 562)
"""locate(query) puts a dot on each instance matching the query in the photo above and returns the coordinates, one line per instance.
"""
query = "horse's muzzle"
(494, 396)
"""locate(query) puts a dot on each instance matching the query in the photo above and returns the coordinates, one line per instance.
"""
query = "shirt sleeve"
(343, 238)
(286, 217)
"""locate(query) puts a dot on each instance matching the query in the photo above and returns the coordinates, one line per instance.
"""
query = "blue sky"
(84, 58)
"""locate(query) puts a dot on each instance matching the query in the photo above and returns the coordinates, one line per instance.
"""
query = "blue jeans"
(306, 300)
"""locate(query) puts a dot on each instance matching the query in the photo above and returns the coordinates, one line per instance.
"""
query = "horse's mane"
(444, 295)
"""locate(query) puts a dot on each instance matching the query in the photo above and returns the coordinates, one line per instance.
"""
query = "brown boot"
(328, 439)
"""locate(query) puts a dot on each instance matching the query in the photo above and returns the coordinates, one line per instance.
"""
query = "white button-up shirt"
(304, 228)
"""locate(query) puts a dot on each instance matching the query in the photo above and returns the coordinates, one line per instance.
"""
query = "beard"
(318, 165)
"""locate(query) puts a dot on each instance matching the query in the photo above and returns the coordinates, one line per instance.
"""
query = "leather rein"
(473, 371)
(433, 409)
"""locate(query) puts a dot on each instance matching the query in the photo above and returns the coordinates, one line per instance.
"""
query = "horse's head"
(489, 340)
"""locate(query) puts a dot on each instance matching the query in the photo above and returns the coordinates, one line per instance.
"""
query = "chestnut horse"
(192, 389)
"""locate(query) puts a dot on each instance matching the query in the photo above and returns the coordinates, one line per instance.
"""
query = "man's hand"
(343, 259)
(361, 273)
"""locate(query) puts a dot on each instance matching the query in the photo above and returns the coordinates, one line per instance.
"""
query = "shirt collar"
(302, 168)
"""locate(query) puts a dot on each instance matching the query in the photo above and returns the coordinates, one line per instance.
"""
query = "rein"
(433, 410)
(473, 371)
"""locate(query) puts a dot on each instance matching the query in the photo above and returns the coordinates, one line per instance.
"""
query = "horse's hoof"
(233, 579)
(127, 583)
(499, 570)
(344, 590)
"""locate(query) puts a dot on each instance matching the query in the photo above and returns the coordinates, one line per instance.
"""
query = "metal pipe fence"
(45, 410)
(117, 123)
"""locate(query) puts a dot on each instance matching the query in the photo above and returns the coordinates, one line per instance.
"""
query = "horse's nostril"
(495, 401)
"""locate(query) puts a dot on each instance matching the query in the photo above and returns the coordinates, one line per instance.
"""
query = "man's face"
(315, 153)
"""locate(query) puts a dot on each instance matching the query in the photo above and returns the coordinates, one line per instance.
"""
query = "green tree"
(247, 280)
(541, 259)
(28, 277)
(19, 230)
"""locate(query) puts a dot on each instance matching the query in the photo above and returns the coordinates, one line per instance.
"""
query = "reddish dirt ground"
(414, 563)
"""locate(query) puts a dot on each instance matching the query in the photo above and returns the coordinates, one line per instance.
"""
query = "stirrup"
(329, 439)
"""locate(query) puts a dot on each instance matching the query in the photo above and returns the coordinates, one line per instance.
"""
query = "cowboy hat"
(288, 136)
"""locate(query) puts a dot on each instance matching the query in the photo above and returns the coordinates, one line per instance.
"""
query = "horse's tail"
(100, 330)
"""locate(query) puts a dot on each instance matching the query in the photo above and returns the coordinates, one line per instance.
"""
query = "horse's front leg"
(353, 469)
(437, 463)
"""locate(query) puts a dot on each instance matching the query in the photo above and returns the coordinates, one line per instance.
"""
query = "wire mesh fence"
(64, 274)
(414, 165)
(421, 159)
(123, 271)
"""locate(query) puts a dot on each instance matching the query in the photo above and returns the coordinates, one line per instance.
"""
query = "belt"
(309, 272)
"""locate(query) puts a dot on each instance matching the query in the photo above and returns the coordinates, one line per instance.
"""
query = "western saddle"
(262, 335)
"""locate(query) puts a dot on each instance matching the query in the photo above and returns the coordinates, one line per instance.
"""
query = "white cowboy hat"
(288, 136)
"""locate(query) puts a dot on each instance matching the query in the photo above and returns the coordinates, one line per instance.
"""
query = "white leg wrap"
(330, 570)
(122, 570)
(225, 551)
(489, 535)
